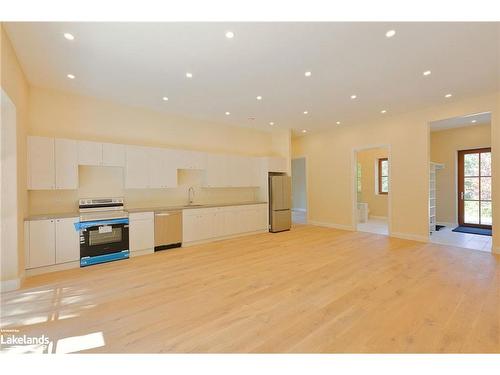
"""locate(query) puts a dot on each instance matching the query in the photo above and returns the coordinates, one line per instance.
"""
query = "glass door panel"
(474, 182)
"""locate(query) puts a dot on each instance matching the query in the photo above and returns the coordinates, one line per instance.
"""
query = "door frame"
(461, 187)
(354, 190)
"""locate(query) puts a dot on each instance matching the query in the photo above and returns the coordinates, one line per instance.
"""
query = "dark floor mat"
(472, 230)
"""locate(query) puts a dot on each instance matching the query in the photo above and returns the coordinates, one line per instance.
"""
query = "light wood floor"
(308, 290)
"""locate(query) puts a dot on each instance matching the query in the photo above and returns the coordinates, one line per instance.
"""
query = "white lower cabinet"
(205, 223)
(141, 231)
(51, 241)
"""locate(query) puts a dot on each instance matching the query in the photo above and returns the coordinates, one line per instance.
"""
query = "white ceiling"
(462, 121)
(139, 63)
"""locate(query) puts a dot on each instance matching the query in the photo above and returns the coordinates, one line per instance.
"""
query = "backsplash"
(98, 182)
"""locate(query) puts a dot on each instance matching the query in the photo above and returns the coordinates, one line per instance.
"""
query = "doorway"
(474, 188)
(372, 185)
(460, 200)
(299, 191)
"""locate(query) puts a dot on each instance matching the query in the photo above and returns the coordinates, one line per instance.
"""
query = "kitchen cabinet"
(137, 170)
(186, 159)
(89, 153)
(113, 155)
(206, 223)
(52, 163)
(66, 164)
(51, 241)
(277, 164)
(162, 169)
(141, 231)
(217, 171)
(41, 163)
(67, 240)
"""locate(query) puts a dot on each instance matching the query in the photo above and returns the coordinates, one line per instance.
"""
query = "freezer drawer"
(168, 230)
(281, 220)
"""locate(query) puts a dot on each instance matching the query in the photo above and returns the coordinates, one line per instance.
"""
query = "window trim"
(380, 161)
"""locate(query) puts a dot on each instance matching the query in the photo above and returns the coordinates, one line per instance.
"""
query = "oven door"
(103, 239)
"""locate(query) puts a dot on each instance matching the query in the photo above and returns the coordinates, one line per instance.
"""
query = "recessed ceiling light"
(448, 96)
(383, 111)
(229, 35)
(306, 112)
(259, 97)
(338, 122)
(304, 131)
(427, 73)
(474, 121)
(228, 113)
(164, 99)
(307, 74)
(70, 76)
(189, 75)
(69, 36)
(354, 96)
(390, 33)
(271, 123)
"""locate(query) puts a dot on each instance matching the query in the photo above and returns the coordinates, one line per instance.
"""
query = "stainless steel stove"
(104, 229)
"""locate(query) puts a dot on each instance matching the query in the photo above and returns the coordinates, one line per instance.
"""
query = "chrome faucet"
(191, 195)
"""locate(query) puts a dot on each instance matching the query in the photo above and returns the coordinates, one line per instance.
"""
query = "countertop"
(142, 209)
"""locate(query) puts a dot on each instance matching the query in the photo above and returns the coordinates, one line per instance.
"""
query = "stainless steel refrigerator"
(280, 203)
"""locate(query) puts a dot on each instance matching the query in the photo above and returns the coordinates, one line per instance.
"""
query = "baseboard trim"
(409, 236)
(331, 225)
(454, 225)
(9, 285)
(137, 253)
(208, 240)
(299, 209)
(377, 217)
(53, 268)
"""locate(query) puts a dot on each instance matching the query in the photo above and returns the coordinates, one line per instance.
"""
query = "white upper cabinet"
(162, 168)
(277, 164)
(137, 169)
(113, 155)
(52, 164)
(191, 159)
(217, 170)
(89, 153)
(41, 163)
(66, 164)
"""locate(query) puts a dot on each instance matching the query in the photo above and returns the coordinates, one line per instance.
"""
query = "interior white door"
(113, 155)
(66, 164)
(41, 163)
(67, 240)
(89, 153)
(42, 245)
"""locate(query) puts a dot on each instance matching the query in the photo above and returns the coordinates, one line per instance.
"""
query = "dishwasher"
(168, 230)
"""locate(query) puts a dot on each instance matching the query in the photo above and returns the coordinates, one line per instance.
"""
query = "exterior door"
(474, 188)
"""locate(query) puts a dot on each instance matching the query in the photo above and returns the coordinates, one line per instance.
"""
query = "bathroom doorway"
(299, 191)
(372, 190)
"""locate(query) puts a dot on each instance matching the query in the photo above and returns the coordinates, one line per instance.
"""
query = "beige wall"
(60, 114)
(444, 147)
(377, 203)
(16, 87)
(330, 165)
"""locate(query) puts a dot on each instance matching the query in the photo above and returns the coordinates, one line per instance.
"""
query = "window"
(359, 177)
(383, 176)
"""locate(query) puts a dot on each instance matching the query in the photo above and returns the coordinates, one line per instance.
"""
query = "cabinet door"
(42, 243)
(41, 163)
(89, 153)
(169, 168)
(67, 240)
(113, 155)
(66, 162)
(217, 170)
(137, 167)
(142, 231)
(277, 164)
(189, 227)
(155, 165)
